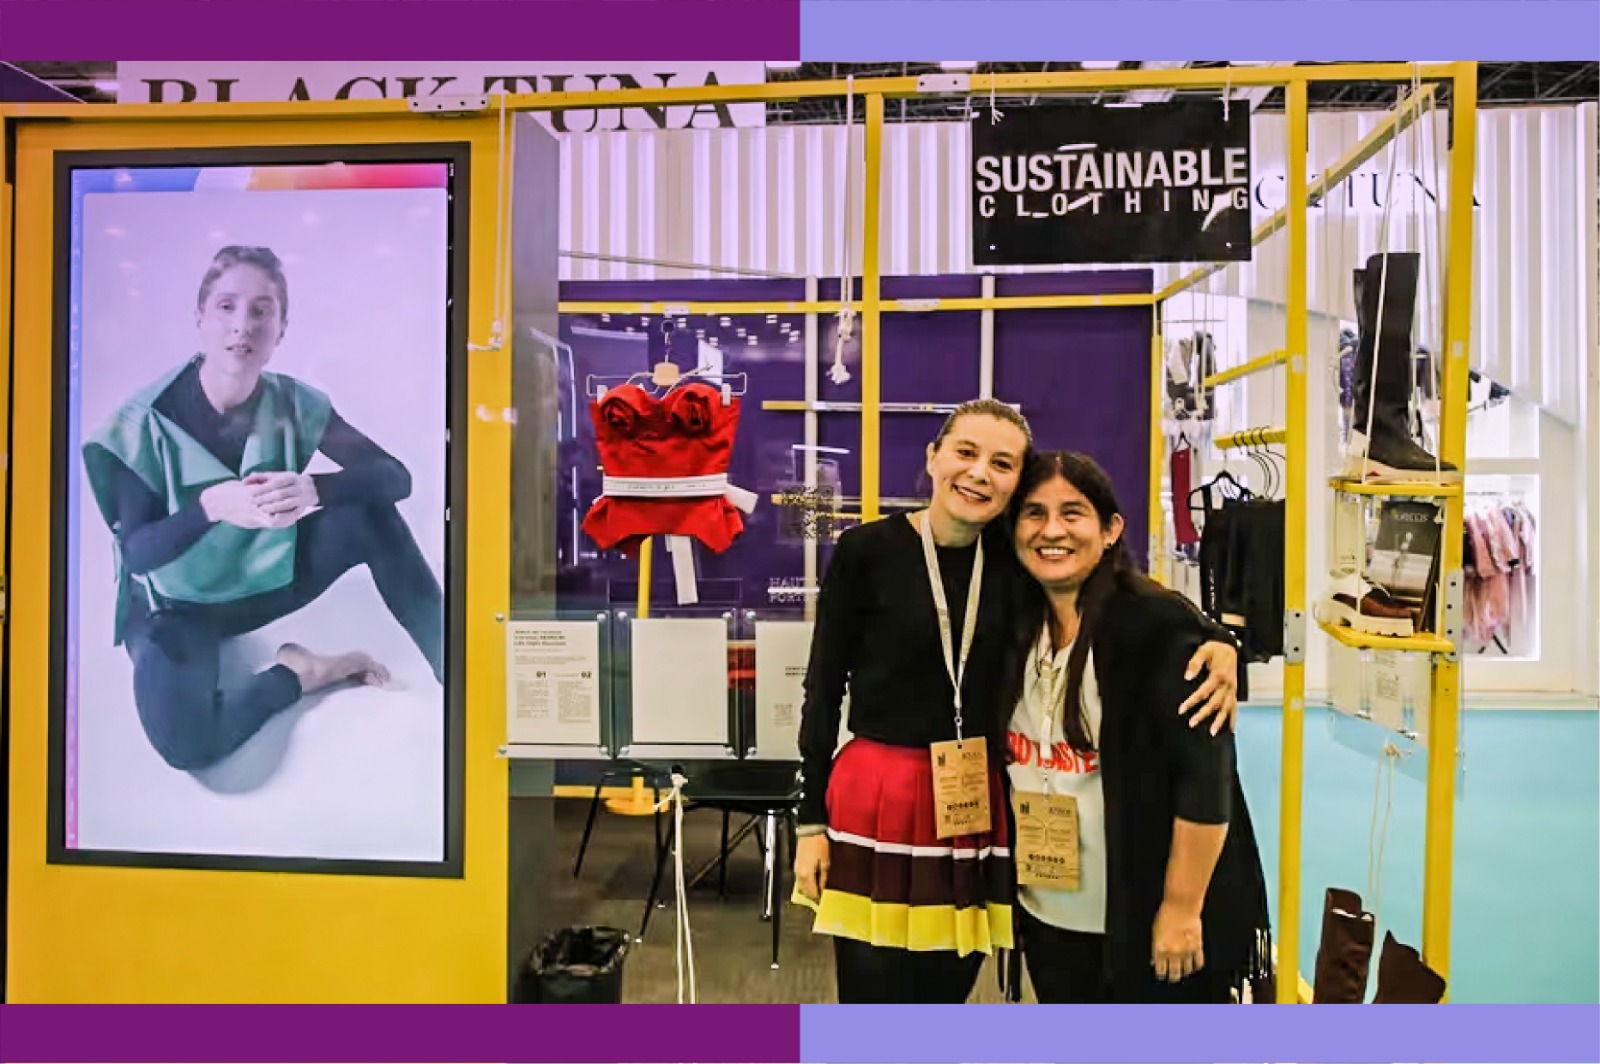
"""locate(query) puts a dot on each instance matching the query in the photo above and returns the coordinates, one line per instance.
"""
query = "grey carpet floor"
(732, 943)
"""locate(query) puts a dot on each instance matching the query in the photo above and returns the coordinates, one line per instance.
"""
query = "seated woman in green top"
(219, 530)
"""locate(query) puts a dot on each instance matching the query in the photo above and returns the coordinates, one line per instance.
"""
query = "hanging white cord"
(838, 373)
(684, 937)
(1383, 284)
(1433, 254)
(502, 207)
(1378, 837)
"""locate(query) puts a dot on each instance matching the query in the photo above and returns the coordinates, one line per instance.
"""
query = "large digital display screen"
(256, 470)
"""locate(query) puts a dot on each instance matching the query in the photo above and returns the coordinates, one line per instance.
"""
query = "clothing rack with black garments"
(1241, 554)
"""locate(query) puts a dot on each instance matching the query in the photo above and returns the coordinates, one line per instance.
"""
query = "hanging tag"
(665, 374)
(961, 787)
(1047, 840)
(683, 570)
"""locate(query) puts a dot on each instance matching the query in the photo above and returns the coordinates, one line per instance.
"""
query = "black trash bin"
(576, 966)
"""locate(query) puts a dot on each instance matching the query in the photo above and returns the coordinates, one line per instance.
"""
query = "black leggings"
(1065, 967)
(880, 975)
(195, 717)
(1071, 968)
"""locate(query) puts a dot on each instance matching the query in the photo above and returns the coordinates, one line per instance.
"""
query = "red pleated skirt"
(892, 881)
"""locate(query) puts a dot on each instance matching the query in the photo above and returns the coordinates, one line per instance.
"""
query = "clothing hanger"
(666, 375)
(1269, 466)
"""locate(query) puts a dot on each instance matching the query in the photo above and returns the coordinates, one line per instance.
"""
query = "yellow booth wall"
(132, 935)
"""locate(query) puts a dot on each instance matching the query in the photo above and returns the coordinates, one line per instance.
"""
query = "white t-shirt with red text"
(1038, 762)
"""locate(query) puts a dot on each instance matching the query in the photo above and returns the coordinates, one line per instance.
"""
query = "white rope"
(1383, 284)
(684, 946)
(1433, 254)
(502, 207)
(1378, 837)
(838, 373)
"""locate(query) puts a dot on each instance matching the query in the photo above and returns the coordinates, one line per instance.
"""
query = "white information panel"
(553, 683)
(680, 682)
(782, 650)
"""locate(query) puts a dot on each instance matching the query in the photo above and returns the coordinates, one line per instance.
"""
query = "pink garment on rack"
(1523, 608)
(1499, 597)
(1488, 589)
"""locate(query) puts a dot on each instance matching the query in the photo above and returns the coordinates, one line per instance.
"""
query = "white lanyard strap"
(955, 666)
(1047, 674)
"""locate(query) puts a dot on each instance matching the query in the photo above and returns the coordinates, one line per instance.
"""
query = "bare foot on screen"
(317, 671)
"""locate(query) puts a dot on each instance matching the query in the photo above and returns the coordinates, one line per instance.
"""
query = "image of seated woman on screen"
(219, 531)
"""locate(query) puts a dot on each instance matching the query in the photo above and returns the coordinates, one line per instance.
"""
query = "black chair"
(767, 794)
(655, 780)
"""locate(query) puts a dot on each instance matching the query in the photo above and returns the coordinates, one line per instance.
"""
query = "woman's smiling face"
(975, 468)
(1059, 537)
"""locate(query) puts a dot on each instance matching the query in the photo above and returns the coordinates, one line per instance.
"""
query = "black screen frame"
(457, 156)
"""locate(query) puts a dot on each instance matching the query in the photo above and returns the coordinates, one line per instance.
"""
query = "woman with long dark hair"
(912, 621)
(1139, 879)
(201, 478)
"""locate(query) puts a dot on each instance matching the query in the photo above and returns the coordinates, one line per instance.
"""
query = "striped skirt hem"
(891, 881)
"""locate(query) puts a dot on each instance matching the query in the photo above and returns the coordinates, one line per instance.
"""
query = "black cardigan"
(1155, 768)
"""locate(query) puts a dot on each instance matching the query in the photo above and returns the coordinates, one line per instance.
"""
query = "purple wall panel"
(1080, 375)
(1083, 379)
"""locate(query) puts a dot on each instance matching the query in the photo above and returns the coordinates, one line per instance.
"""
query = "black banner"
(1165, 182)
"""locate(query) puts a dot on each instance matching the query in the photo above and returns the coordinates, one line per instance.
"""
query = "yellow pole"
(644, 579)
(1294, 559)
(1158, 451)
(870, 338)
(1445, 705)
(5, 376)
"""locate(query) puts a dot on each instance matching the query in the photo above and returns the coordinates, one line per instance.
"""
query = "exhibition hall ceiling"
(1500, 84)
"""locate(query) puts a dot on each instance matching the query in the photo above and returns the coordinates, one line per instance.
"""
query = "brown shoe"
(1344, 955)
(1404, 978)
(1353, 602)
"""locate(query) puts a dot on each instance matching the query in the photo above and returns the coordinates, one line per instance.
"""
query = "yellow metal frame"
(1445, 705)
(312, 938)
(176, 124)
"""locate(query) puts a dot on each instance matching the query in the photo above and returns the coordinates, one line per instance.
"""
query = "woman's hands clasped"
(261, 500)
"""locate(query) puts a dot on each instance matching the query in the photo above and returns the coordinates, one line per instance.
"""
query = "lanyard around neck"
(955, 665)
(1046, 673)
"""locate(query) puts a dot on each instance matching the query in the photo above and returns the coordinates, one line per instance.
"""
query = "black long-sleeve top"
(151, 537)
(877, 635)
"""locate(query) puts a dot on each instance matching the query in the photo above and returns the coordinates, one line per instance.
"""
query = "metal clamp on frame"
(447, 105)
(1294, 637)
(1453, 595)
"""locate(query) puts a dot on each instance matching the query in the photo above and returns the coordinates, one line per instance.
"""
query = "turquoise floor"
(1526, 926)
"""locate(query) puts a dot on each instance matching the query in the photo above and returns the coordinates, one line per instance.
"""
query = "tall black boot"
(1383, 365)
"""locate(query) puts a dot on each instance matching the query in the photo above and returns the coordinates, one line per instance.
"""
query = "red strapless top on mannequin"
(666, 463)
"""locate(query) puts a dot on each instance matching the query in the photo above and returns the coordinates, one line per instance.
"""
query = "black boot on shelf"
(1384, 379)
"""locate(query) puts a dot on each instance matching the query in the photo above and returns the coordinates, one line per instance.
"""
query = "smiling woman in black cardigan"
(1169, 902)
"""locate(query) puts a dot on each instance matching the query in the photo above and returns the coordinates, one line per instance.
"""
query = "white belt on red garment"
(680, 547)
